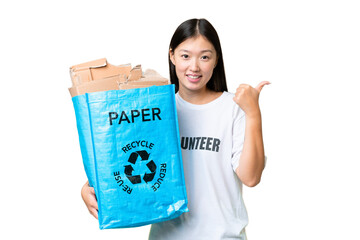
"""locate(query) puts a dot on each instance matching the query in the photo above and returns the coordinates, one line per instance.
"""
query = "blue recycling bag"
(130, 146)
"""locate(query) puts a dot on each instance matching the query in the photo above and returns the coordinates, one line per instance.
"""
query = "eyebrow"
(207, 50)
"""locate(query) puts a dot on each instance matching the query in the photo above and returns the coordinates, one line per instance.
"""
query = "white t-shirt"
(212, 137)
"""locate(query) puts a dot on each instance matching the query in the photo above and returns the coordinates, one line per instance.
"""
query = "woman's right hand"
(88, 195)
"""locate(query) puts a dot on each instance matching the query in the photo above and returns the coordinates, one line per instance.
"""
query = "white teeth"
(193, 77)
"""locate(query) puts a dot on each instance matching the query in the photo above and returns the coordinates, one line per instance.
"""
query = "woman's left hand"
(247, 98)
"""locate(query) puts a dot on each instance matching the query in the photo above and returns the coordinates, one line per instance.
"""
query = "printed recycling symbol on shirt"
(134, 159)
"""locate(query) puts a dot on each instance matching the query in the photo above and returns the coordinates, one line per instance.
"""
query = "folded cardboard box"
(99, 75)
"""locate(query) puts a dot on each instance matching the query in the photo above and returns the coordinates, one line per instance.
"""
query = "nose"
(194, 65)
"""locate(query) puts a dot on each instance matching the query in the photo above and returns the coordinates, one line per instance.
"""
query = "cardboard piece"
(135, 73)
(99, 75)
(97, 69)
(141, 84)
(105, 84)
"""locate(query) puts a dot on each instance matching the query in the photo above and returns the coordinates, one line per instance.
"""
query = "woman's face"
(194, 60)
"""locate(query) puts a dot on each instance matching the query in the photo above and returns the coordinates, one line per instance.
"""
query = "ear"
(172, 56)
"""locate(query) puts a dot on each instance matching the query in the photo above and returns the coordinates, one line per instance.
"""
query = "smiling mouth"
(193, 78)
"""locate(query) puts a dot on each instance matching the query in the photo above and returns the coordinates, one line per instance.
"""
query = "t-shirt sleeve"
(238, 136)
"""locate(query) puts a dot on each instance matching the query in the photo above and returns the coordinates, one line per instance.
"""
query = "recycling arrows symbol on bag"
(148, 177)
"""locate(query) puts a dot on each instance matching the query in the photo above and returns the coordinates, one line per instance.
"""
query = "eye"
(205, 57)
(185, 56)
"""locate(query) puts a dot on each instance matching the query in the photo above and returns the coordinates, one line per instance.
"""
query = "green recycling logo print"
(137, 157)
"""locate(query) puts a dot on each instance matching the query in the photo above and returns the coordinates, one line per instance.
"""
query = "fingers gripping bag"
(129, 141)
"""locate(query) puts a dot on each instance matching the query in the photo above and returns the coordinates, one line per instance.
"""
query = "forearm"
(252, 160)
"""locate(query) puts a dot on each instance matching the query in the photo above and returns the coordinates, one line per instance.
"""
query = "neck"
(202, 96)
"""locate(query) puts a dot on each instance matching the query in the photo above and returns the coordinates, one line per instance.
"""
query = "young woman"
(221, 139)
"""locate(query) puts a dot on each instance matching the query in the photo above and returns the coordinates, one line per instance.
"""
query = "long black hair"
(192, 28)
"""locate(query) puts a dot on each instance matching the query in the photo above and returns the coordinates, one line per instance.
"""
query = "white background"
(309, 50)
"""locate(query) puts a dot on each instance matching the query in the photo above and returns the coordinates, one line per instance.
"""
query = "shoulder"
(229, 101)
(228, 95)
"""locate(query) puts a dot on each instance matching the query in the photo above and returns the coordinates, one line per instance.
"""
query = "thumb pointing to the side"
(261, 85)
